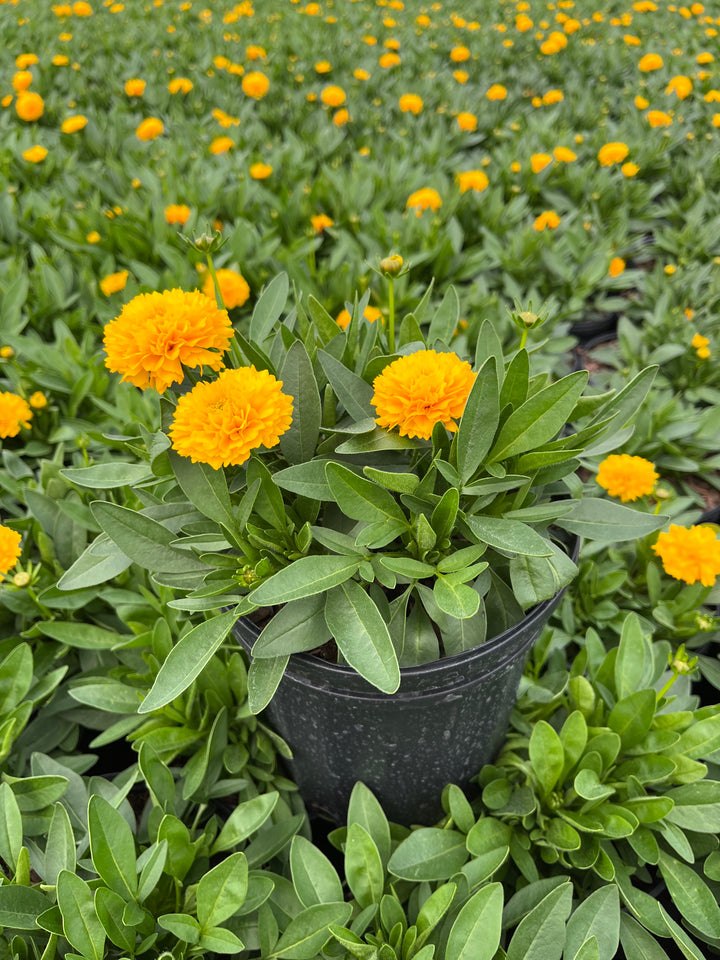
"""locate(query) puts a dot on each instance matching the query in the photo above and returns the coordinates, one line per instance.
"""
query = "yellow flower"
(372, 314)
(93, 237)
(703, 353)
(73, 124)
(255, 85)
(612, 153)
(14, 414)
(467, 121)
(552, 96)
(496, 92)
(22, 80)
(149, 129)
(460, 76)
(651, 61)
(157, 334)
(25, 60)
(523, 23)
(38, 400)
(690, 553)
(564, 155)
(221, 145)
(658, 118)
(114, 282)
(472, 180)
(135, 87)
(220, 423)
(29, 106)
(361, 74)
(7, 353)
(459, 54)
(180, 85)
(333, 96)
(669, 269)
(340, 117)
(9, 548)
(388, 60)
(260, 171)
(343, 319)
(177, 213)
(224, 119)
(233, 287)
(617, 266)
(681, 86)
(421, 389)
(626, 477)
(410, 103)
(548, 218)
(629, 169)
(35, 154)
(424, 199)
(538, 161)
(323, 67)
(82, 9)
(255, 52)
(641, 103)
(320, 222)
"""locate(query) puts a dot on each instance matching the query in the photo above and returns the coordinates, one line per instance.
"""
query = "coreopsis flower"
(523, 23)
(74, 124)
(626, 477)
(704, 57)
(424, 199)
(14, 414)
(6, 353)
(552, 96)
(548, 219)
(234, 287)
(343, 319)
(538, 161)
(255, 52)
(467, 121)
(629, 169)
(459, 54)
(82, 9)
(658, 118)
(6, 100)
(461, 76)
(564, 155)
(612, 153)
(554, 44)
(149, 129)
(25, 60)
(35, 154)
(221, 422)
(496, 92)
(617, 266)
(38, 400)
(224, 119)
(472, 180)
(361, 74)
(22, 80)
(29, 106)
(322, 67)
(410, 103)
(114, 282)
(372, 314)
(388, 60)
(641, 103)
(691, 554)
(260, 171)
(9, 548)
(157, 334)
(421, 389)
(333, 96)
(221, 145)
(135, 87)
(177, 213)
(681, 86)
(180, 85)
(341, 117)
(701, 345)
(255, 85)
(650, 62)
(321, 222)
(93, 237)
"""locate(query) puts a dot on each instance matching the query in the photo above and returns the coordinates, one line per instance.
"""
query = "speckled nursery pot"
(448, 718)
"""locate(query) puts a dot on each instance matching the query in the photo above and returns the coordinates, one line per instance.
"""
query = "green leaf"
(306, 480)
(11, 826)
(16, 676)
(83, 636)
(597, 916)
(186, 660)
(364, 870)
(510, 535)
(152, 869)
(182, 926)
(602, 520)
(589, 950)
(634, 665)
(80, 920)
(304, 578)
(296, 627)
(637, 942)
(110, 908)
(445, 319)
(20, 905)
(429, 853)
(113, 847)
(475, 934)
(264, 676)
(221, 891)
(247, 817)
(269, 306)
(352, 391)
(540, 418)
(392, 480)
(419, 640)
(100, 561)
(205, 488)
(315, 879)
(108, 476)
(365, 809)
(700, 739)
(632, 717)
(308, 932)
(696, 806)
(434, 909)
(60, 846)
(299, 442)
(688, 947)
(361, 499)
(546, 755)
(220, 940)
(541, 934)
(691, 895)
(362, 635)
(456, 599)
(144, 540)
(479, 421)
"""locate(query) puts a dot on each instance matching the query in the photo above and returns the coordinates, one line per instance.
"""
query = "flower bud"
(528, 318)
(392, 265)
(21, 579)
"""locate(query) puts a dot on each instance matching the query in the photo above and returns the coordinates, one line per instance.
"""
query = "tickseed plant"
(405, 502)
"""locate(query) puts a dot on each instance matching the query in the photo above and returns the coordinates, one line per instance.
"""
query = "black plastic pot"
(595, 326)
(446, 721)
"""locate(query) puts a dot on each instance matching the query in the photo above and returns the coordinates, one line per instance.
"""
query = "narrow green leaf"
(362, 635)
(691, 895)
(315, 879)
(113, 847)
(304, 578)
(205, 487)
(479, 421)
(299, 442)
(20, 906)
(264, 677)
(60, 846)
(352, 391)
(510, 535)
(221, 891)
(247, 817)
(363, 867)
(308, 932)
(541, 934)
(270, 304)
(298, 626)
(11, 826)
(637, 942)
(429, 853)
(143, 539)
(546, 755)
(80, 920)
(475, 934)
(597, 916)
(361, 499)
(602, 520)
(108, 476)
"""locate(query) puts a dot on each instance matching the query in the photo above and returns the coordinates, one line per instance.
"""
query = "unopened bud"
(528, 318)
(21, 579)
(247, 576)
(392, 265)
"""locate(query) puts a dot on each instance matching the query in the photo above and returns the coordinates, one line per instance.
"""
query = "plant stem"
(391, 315)
(523, 339)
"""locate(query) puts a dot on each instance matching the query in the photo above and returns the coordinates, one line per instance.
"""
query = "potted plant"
(382, 521)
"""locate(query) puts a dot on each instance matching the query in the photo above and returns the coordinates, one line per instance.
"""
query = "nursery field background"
(559, 160)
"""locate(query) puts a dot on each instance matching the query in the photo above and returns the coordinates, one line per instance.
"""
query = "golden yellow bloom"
(410, 103)
(220, 423)
(467, 121)
(703, 353)
(651, 61)
(233, 287)
(135, 87)
(9, 548)
(372, 314)
(388, 60)
(552, 96)
(254, 52)
(321, 222)
(341, 117)
(22, 80)
(323, 67)
(343, 319)
(547, 219)
(627, 477)
(221, 145)
(38, 400)
(459, 54)
(114, 282)
(424, 199)
(538, 161)
(7, 353)
(421, 389)
(629, 169)
(690, 553)
(35, 154)
(496, 92)
(157, 334)
(177, 213)
(460, 76)
(670, 269)
(29, 106)
(333, 96)
(82, 9)
(224, 119)
(681, 86)
(255, 85)
(641, 103)
(631, 40)
(523, 23)
(6, 100)
(612, 153)
(180, 85)
(472, 180)
(361, 74)
(564, 155)
(149, 129)
(617, 266)
(704, 57)
(93, 237)
(260, 171)
(73, 124)
(14, 414)
(658, 118)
